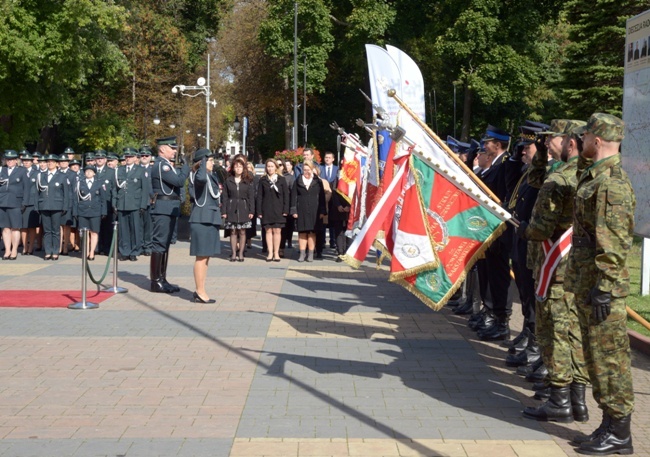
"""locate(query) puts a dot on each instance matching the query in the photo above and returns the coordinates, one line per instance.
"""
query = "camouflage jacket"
(604, 223)
(553, 214)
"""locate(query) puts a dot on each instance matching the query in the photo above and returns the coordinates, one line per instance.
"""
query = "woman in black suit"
(89, 206)
(205, 219)
(238, 206)
(272, 207)
(308, 209)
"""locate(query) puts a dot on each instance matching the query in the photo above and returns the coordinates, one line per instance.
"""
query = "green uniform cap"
(10, 154)
(606, 126)
(168, 141)
(100, 154)
(130, 152)
(68, 151)
(557, 127)
(572, 127)
(111, 156)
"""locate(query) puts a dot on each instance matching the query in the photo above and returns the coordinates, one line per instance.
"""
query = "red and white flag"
(554, 253)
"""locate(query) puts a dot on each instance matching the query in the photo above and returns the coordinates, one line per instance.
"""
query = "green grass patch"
(635, 301)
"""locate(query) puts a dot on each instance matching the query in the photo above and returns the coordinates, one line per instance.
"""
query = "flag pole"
(393, 93)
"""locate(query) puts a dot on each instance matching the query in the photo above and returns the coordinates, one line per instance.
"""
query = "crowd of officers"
(564, 175)
(46, 199)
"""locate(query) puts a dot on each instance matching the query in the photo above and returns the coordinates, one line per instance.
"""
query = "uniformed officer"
(147, 165)
(112, 160)
(89, 206)
(69, 152)
(167, 183)
(89, 159)
(14, 188)
(105, 175)
(603, 224)
(558, 327)
(131, 200)
(31, 218)
(52, 202)
(521, 205)
(66, 221)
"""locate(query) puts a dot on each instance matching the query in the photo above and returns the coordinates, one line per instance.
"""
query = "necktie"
(329, 173)
(128, 169)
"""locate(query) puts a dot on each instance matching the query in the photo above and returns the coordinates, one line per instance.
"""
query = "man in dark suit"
(166, 183)
(145, 162)
(131, 200)
(330, 172)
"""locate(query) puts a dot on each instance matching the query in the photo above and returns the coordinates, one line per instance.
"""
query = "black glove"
(540, 144)
(142, 210)
(22, 209)
(518, 152)
(64, 212)
(600, 304)
(181, 159)
(521, 230)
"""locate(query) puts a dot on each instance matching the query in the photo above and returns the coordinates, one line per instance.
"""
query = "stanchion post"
(115, 288)
(83, 304)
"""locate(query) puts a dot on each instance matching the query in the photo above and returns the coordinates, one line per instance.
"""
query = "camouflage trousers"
(607, 353)
(560, 339)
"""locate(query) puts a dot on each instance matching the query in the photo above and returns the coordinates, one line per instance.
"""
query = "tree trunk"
(467, 113)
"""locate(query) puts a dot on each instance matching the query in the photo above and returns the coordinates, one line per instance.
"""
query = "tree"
(48, 52)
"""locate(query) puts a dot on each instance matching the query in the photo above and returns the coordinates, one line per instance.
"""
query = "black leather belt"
(582, 242)
(168, 197)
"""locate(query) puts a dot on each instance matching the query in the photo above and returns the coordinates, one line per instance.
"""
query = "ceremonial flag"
(554, 253)
(462, 227)
(411, 246)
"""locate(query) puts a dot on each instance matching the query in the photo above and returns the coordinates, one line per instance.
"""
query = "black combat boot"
(604, 424)
(578, 403)
(482, 320)
(526, 370)
(543, 394)
(519, 343)
(156, 275)
(499, 332)
(538, 375)
(556, 409)
(526, 357)
(173, 288)
(464, 308)
(616, 439)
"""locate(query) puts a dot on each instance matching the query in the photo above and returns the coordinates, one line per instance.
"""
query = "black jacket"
(271, 204)
(309, 204)
(238, 200)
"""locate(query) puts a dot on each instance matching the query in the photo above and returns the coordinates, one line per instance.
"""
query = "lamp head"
(175, 90)
(200, 81)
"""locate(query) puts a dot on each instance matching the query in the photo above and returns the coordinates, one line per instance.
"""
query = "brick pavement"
(293, 360)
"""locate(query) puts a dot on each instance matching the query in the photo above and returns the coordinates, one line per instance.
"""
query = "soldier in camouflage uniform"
(558, 328)
(596, 273)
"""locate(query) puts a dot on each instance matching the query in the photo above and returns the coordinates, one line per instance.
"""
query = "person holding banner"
(603, 227)
(558, 328)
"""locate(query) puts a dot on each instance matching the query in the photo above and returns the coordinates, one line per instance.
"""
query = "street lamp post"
(304, 98)
(294, 135)
(202, 88)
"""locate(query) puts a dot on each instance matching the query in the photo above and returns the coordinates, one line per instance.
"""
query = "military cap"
(452, 143)
(51, 157)
(167, 141)
(493, 133)
(10, 154)
(90, 156)
(556, 128)
(25, 155)
(572, 126)
(68, 150)
(201, 154)
(145, 151)
(606, 126)
(63, 158)
(474, 146)
(122, 158)
(129, 152)
(100, 154)
(75, 162)
(90, 167)
(539, 125)
(36, 155)
(527, 134)
(111, 156)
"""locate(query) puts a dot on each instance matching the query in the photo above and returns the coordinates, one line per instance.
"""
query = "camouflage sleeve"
(537, 171)
(548, 208)
(614, 226)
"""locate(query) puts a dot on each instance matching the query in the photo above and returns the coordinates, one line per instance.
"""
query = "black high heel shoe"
(198, 299)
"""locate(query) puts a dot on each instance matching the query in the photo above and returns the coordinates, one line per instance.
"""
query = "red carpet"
(48, 298)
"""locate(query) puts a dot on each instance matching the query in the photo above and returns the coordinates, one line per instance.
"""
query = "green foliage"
(48, 51)
(108, 131)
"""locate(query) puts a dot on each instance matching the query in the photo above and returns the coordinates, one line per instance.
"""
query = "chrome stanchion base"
(82, 305)
(116, 290)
